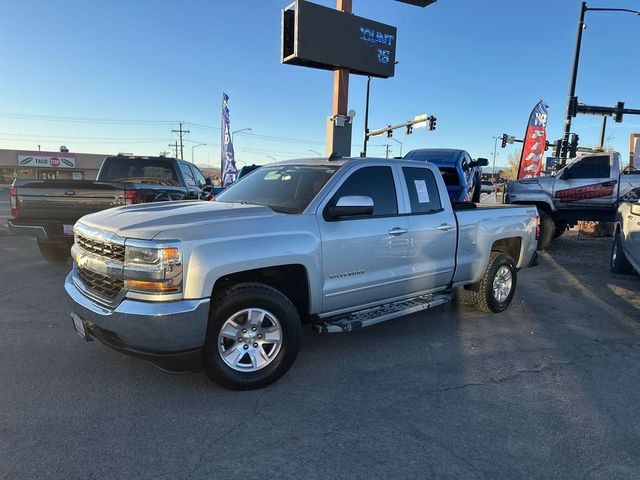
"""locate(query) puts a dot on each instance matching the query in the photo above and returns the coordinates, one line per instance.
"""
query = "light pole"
(572, 101)
(493, 170)
(193, 148)
(272, 158)
(316, 152)
(366, 120)
(238, 131)
(397, 141)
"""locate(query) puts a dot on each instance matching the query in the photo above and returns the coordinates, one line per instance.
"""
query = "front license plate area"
(68, 230)
(79, 326)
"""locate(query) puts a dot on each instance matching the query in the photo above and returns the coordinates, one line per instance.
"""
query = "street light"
(193, 148)
(397, 141)
(238, 131)
(316, 152)
(272, 158)
(366, 115)
(574, 73)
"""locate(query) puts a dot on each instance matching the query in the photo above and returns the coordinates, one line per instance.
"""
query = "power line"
(54, 118)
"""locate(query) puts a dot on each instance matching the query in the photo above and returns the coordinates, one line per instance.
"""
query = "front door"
(364, 258)
(586, 183)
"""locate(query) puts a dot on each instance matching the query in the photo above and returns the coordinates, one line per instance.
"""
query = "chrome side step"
(382, 313)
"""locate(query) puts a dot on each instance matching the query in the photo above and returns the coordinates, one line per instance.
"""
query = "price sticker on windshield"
(421, 190)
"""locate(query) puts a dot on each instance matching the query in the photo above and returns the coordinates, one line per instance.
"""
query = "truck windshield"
(139, 170)
(285, 189)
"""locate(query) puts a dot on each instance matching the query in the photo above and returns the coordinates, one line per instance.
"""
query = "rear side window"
(188, 175)
(200, 180)
(591, 167)
(374, 182)
(423, 191)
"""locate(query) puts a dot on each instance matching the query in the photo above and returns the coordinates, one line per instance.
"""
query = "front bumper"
(169, 334)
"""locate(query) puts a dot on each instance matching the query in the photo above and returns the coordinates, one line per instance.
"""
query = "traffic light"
(504, 140)
(389, 131)
(432, 122)
(557, 152)
(409, 129)
(617, 117)
(573, 146)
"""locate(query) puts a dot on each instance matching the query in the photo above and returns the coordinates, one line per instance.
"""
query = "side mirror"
(635, 209)
(482, 162)
(351, 206)
(207, 181)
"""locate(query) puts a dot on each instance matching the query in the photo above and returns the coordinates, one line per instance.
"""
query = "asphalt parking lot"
(548, 389)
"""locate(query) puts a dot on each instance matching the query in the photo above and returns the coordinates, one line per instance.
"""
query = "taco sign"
(46, 162)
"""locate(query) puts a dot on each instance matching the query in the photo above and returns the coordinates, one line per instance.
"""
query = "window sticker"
(421, 190)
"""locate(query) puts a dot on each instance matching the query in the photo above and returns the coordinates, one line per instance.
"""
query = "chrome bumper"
(28, 230)
(141, 328)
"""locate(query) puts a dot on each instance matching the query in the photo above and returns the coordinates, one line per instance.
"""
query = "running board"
(382, 313)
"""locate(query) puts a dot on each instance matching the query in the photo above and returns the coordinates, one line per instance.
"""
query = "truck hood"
(146, 221)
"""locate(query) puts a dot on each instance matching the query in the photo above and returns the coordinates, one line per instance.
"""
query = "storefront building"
(32, 165)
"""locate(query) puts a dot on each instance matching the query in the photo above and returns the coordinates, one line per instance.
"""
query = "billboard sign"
(535, 141)
(321, 37)
(45, 161)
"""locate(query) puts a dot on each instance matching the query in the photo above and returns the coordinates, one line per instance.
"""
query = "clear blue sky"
(479, 66)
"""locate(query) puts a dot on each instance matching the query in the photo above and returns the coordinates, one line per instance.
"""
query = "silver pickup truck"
(589, 188)
(342, 244)
(625, 252)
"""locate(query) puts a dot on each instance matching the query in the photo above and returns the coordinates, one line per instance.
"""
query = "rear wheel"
(53, 252)
(253, 337)
(619, 262)
(495, 290)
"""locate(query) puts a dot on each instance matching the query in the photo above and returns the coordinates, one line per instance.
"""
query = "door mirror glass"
(635, 209)
(351, 206)
(207, 181)
(482, 162)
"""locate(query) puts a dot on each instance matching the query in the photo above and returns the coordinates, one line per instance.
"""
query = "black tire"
(547, 230)
(481, 294)
(53, 252)
(559, 229)
(619, 262)
(476, 191)
(228, 303)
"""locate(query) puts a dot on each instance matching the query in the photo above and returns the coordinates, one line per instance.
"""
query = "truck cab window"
(423, 191)
(590, 167)
(199, 177)
(188, 175)
(374, 182)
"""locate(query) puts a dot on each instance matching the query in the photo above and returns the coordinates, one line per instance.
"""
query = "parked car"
(246, 170)
(47, 209)
(487, 187)
(589, 188)
(342, 244)
(461, 174)
(625, 252)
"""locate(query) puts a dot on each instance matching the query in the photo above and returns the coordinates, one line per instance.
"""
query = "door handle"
(610, 183)
(445, 227)
(69, 192)
(395, 232)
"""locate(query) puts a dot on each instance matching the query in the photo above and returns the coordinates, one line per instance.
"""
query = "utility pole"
(603, 130)
(181, 133)
(175, 149)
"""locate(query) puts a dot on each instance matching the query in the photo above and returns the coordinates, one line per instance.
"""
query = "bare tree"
(513, 162)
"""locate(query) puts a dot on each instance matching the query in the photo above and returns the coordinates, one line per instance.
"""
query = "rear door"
(432, 230)
(587, 183)
(364, 259)
(194, 191)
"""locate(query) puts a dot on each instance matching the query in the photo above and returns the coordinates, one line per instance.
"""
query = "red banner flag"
(535, 141)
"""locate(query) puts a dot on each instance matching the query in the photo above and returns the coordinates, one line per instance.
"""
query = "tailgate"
(64, 200)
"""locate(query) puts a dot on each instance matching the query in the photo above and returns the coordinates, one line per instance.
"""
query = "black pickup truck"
(48, 209)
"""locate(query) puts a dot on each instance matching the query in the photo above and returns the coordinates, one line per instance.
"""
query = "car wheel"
(619, 262)
(494, 292)
(53, 252)
(253, 337)
(547, 230)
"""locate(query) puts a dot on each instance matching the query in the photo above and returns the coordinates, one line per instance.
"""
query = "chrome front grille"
(106, 287)
(100, 248)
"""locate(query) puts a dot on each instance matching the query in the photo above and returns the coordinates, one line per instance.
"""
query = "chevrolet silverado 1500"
(339, 243)
(625, 252)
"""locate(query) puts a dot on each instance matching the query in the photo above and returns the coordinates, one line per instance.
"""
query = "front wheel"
(495, 290)
(253, 337)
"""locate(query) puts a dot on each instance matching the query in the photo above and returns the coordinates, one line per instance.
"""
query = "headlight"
(153, 267)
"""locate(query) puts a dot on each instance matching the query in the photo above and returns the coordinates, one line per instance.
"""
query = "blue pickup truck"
(460, 172)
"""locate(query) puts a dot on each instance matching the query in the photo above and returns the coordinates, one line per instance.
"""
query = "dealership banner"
(229, 170)
(46, 161)
(534, 143)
